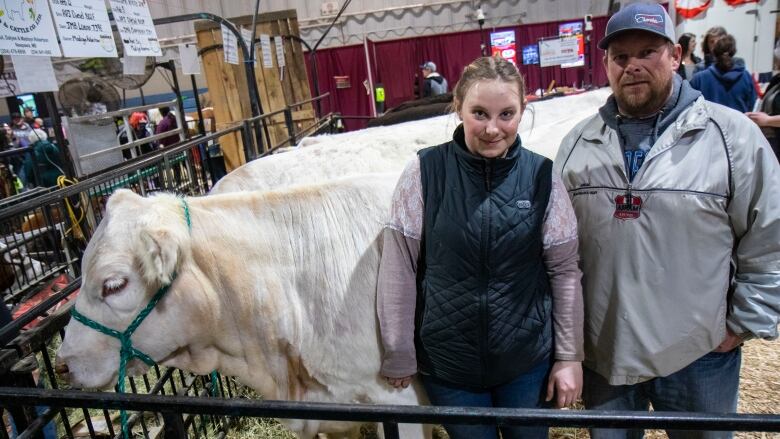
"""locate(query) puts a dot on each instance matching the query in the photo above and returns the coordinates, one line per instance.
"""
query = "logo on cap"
(648, 18)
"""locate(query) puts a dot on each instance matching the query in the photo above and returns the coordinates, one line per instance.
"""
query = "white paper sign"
(279, 50)
(190, 63)
(135, 26)
(8, 84)
(556, 51)
(84, 28)
(229, 46)
(26, 28)
(265, 46)
(133, 65)
(34, 74)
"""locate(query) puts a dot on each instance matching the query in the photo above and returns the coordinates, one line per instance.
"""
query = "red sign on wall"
(503, 44)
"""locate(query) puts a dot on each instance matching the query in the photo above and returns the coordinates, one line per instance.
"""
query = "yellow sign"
(380, 94)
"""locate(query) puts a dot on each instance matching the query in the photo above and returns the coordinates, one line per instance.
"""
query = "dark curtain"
(352, 101)
(396, 63)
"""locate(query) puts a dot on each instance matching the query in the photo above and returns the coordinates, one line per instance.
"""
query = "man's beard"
(643, 104)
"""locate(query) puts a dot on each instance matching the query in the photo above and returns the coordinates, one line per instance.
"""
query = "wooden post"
(228, 87)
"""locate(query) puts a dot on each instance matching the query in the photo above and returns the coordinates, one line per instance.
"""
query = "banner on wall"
(559, 50)
(574, 30)
(690, 8)
(26, 28)
(740, 2)
(503, 44)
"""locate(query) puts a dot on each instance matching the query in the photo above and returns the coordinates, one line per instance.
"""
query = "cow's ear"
(122, 197)
(159, 254)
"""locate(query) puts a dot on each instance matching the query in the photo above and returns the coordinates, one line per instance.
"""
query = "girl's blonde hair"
(487, 68)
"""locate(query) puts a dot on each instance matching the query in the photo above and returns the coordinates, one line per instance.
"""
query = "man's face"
(426, 72)
(28, 114)
(640, 67)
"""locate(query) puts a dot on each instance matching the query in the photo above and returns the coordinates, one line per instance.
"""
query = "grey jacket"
(656, 255)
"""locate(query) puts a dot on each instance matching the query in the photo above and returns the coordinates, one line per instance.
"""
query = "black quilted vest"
(484, 305)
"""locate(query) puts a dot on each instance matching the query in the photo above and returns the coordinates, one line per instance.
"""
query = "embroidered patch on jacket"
(523, 204)
(628, 207)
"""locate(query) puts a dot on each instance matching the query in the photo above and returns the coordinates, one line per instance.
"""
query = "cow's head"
(137, 249)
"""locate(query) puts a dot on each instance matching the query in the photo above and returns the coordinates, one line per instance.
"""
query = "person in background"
(38, 123)
(676, 201)
(689, 59)
(44, 161)
(21, 130)
(712, 35)
(725, 82)
(20, 139)
(167, 123)
(433, 83)
(479, 289)
(139, 122)
(768, 116)
(29, 117)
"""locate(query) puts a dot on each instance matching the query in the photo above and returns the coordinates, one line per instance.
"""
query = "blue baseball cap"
(428, 65)
(649, 17)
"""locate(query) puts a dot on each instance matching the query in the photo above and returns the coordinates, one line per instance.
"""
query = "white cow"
(389, 148)
(275, 288)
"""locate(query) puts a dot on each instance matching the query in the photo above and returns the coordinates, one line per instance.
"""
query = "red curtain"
(349, 61)
(395, 64)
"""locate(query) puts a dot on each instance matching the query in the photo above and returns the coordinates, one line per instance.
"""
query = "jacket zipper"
(483, 305)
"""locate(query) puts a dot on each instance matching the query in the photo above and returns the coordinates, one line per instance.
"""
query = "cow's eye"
(113, 286)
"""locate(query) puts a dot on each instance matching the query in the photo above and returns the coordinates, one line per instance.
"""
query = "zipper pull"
(628, 192)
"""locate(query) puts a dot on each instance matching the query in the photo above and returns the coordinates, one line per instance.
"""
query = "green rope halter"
(127, 352)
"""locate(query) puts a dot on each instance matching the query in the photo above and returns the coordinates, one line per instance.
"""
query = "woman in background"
(689, 59)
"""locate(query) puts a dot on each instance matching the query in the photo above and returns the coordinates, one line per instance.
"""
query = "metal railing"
(42, 238)
(391, 416)
(159, 397)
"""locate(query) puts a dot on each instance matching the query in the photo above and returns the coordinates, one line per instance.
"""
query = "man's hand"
(400, 383)
(729, 343)
(565, 383)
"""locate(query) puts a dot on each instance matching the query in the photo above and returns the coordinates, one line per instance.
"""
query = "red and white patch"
(628, 207)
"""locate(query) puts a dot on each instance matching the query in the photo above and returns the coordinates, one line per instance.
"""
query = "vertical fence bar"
(391, 430)
(246, 137)
(288, 121)
(174, 426)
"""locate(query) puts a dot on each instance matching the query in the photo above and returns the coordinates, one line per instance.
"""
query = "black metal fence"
(174, 406)
(43, 234)
(42, 238)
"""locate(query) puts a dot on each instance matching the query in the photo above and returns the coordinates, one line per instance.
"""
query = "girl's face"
(691, 45)
(491, 113)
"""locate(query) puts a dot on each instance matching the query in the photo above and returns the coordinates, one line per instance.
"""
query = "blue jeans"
(526, 391)
(709, 384)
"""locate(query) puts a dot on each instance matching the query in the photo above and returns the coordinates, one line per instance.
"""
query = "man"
(434, 83)
(669, 190)
(29, 117)
(167, 123)
(21, 130)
